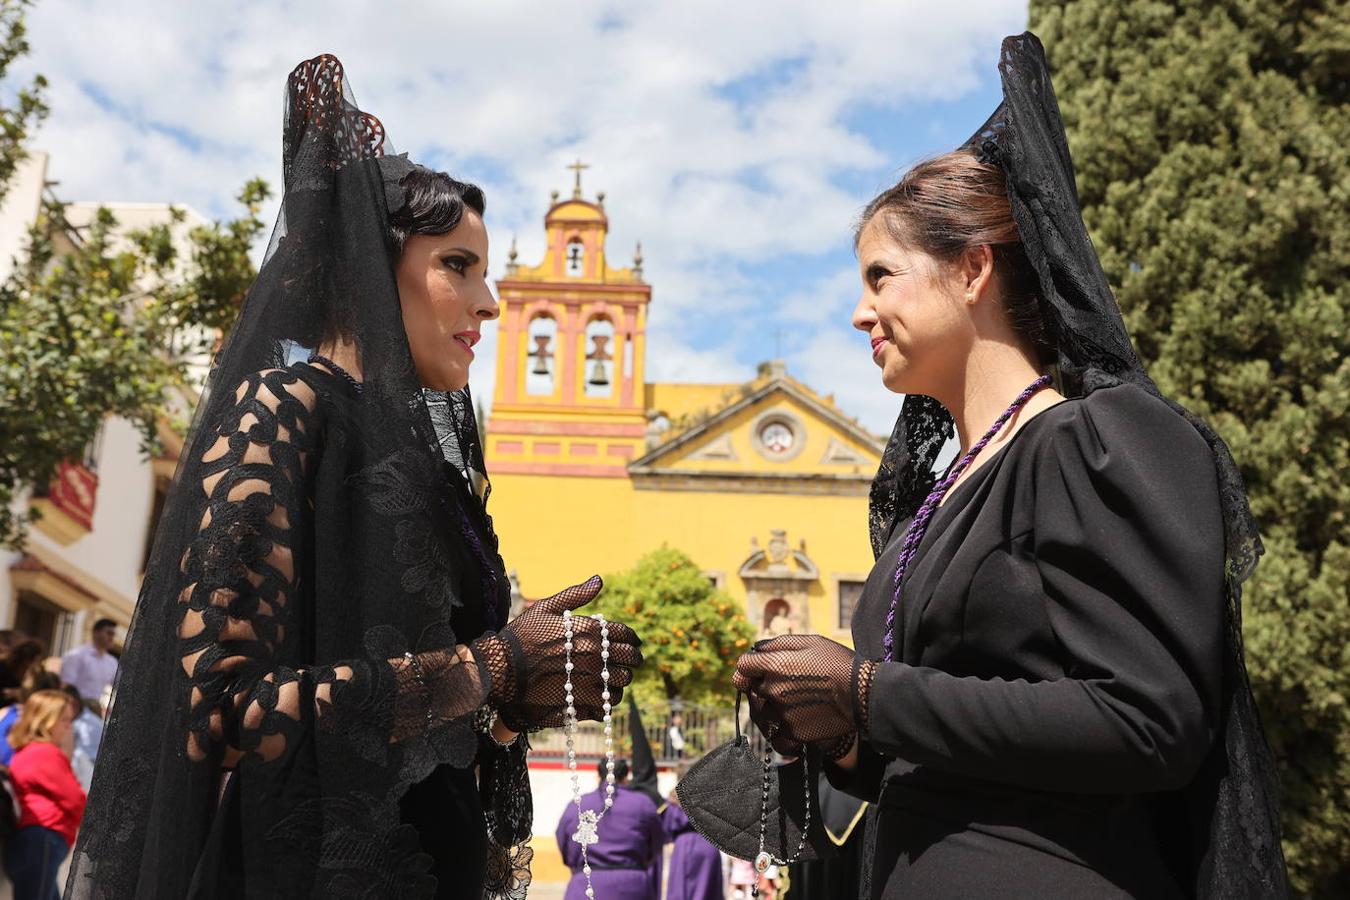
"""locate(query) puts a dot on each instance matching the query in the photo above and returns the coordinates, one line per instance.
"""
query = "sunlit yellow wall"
(557, 531)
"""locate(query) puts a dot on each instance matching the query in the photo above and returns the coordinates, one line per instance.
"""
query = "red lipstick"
(466, 340)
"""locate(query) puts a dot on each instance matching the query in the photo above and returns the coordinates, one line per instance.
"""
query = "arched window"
(777, 617)
(599, 358)
(542, 361)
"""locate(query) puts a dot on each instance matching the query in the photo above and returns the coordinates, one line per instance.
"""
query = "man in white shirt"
(90, 667)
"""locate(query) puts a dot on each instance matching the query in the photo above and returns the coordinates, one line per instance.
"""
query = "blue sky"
(736, 141)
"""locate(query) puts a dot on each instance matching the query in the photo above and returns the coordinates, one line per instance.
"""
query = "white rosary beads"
(588, 821)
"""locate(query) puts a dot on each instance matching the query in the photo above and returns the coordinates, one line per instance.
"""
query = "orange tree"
(692, 632)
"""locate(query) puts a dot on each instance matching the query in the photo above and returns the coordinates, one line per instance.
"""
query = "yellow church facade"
(763, 484)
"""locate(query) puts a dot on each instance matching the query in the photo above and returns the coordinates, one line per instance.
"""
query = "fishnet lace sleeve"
(244, 577)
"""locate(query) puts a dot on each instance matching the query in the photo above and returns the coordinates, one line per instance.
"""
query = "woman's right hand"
(527, 662)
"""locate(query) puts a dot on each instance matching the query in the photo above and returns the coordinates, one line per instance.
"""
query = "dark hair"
(620, 769)
(103, 623)
(88, 703)
(24, 653)
(40, 679)
(433, 203)
(952, 203)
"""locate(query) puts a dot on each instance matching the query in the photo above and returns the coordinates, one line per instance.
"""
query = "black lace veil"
(1232, 804)
(291, 669)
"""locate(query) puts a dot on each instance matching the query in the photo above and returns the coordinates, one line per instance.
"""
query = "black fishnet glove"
(804, 689)
(526, 662)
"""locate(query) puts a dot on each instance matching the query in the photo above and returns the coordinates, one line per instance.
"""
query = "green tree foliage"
(692, 632)
(1211, 144)
(27, 108)
(96, 322)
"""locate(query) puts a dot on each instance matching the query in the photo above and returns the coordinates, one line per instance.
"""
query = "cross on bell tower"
(578, 167)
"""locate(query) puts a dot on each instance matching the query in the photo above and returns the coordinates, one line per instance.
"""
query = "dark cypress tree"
(1211, 144)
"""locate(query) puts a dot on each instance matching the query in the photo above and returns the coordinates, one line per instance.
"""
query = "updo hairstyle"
(952, 203)
(433, 203)
(317, 308)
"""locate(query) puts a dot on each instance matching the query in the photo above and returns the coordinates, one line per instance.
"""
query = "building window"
(38, 617)
(849, 592)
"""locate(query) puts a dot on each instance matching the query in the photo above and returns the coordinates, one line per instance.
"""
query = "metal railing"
(703, 728)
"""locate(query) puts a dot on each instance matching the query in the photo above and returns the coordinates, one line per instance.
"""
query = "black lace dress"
(1060, 660)
(335, 776)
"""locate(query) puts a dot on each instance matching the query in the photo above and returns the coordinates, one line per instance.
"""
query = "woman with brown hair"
(51, 800)
(1047, 695)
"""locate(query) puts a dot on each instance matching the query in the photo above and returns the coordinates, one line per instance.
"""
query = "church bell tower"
(571, 345)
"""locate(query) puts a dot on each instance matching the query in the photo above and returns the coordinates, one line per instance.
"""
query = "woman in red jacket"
(50, 797)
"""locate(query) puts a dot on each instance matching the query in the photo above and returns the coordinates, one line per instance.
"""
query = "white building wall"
(19, 209)
(112, 551)
(108, 558)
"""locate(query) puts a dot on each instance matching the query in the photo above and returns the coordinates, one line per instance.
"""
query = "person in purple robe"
(626, 860)
(695, 864)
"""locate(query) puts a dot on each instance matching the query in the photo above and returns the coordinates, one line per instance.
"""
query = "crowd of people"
(51, 725)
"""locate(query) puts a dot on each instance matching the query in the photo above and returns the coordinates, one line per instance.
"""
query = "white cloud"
(720, 131)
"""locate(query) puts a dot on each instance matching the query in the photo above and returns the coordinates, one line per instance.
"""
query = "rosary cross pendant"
(587, 832)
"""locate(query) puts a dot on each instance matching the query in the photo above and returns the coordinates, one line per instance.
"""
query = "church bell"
(598, 376)
(540, 355)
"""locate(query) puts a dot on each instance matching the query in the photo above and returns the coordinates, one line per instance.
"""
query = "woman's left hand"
(805, 683)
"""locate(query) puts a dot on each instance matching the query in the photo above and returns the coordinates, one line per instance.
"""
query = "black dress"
(1059, 650)
(442, 814)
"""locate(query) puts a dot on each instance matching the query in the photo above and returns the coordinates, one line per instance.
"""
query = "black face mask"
(722, 794)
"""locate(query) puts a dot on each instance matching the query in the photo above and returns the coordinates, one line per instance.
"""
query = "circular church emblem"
(777, 438)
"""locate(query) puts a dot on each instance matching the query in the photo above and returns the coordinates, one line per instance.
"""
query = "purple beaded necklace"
(917, 528)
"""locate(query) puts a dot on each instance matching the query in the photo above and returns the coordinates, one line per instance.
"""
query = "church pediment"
(779, 432)
(778, 561)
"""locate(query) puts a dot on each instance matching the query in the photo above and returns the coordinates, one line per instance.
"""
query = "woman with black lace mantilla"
(1047, 697)
(321, 695)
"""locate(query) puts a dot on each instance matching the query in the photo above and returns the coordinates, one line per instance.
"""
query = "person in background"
(23, 655)
(674, 742)
(625, 862)
(51, 800)
(36, 680)
(695, 864)
(91, 667)
(844, 818)
(88, 732)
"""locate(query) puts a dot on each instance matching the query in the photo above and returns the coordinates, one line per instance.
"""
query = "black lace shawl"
(1233, 802)
(291, 668)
